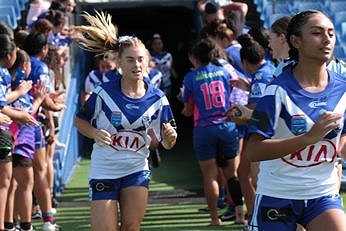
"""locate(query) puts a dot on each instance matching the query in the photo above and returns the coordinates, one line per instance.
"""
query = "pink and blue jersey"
(23, 135)
(209, 86)
(128, 120)
(287, 110)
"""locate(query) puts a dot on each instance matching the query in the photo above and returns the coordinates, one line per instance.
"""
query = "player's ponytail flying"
(101, 35)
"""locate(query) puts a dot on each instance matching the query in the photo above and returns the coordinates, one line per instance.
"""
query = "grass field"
(175, 193)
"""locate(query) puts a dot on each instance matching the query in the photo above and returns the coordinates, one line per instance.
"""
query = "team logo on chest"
(298, 124)
(116, 118)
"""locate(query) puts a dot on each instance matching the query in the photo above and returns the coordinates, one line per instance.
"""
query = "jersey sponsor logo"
(116, 118)
(128, 140)
(317, 104)
(131, 106)
(298, 124)
(312, 155)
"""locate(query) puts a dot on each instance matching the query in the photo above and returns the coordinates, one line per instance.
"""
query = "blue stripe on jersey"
(260, 79)
(123, 112)
(5, 83)
(292, 100)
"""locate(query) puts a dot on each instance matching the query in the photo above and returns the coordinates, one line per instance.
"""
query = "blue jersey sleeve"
(265, 114)
(187, 86)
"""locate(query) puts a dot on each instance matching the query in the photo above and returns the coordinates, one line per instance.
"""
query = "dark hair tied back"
(295, 28)
(202, 50)
(251, 50)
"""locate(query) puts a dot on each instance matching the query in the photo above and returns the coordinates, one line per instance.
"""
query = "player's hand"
(327, 122)
(24, 87)
(4, 119)
(102, 137)
(169, 136)
(27, 119)
(239, 114)
(241, 83)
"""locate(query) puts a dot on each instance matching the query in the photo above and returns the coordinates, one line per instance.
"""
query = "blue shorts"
(219, 141)
(283, 214)
(40, 142)
(109, 189)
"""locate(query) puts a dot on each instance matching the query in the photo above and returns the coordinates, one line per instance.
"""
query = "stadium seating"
(336, 9)
(15, 4)
(10, 11)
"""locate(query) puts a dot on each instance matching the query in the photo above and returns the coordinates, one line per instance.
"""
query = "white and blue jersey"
(128, 121)
(260, 79)
(164, 62)
(40, 72)
(155, 77)
(209, 86)
(287, 110)
(23, 102)
(95, 78)
(5, 85)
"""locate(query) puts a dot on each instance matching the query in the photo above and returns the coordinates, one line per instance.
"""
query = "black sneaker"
(55, 202)
(229, 215)
(204, 210)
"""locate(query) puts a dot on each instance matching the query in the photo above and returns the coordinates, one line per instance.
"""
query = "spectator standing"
(164, 63)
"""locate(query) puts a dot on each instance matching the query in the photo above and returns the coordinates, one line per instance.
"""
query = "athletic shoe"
(229, 215)
(37, 215)
(49, 226)
(31, 229)
(59, 145)
(55, 202)
(53, 211)
(204, 210)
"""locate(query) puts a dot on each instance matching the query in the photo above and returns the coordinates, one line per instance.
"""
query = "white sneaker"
(59, 145)
(53, 211)
(49, 226)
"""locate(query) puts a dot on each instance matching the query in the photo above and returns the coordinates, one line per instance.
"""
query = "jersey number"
(213, 94)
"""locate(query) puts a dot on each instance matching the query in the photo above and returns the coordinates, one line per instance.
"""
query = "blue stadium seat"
(9, 10)
(338, 19)
(336, 6)
(301, 6)
(5, 18)
(343, 32)
(15, 4)
(271, 18)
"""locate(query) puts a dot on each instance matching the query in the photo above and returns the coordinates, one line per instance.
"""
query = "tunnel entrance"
(177, 22)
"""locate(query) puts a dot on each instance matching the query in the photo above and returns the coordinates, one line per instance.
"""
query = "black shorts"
(6, 145)
(21, 161)
(45, 126)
